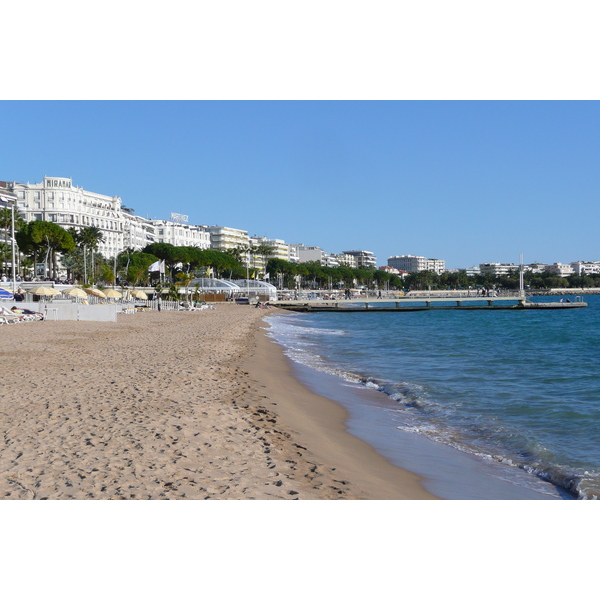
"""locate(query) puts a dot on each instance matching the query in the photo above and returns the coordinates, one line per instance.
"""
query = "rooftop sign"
(179, 218)
(57, 182)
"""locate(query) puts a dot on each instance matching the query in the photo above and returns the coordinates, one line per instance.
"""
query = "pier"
(412, 304)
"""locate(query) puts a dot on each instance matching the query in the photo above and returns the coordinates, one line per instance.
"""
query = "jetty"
(411, 304)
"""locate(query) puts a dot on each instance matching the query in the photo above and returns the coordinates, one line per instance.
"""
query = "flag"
(162, 266)
(155, 266)
(209, 272)
(267, 276)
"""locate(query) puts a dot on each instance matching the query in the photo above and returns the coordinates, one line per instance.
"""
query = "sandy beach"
(174, 405)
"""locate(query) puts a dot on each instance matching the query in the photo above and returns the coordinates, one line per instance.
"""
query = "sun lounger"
(9, 317)
(27, 314)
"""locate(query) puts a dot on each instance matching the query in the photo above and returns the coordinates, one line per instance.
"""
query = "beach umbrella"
(77, 292)
(44, 290)
(139, 294)
(5, 294)
(95, 292)
(113, 294)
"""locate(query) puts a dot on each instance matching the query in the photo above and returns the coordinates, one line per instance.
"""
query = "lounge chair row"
(18, 315)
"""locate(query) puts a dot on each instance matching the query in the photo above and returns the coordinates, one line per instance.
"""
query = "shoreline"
(443, 470)
(320, 424)
(169, 405)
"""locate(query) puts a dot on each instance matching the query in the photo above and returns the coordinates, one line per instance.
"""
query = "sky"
(463, 181)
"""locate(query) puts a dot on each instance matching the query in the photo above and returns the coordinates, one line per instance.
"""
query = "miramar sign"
(57, 182)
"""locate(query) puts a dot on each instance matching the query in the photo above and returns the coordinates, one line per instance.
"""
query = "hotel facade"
(58, 201)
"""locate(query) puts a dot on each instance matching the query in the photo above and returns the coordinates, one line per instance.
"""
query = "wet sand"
(174, 405)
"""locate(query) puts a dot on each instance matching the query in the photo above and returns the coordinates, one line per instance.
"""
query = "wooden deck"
(420, 304)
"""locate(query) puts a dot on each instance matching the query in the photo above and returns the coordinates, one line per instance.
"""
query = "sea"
(481, 404)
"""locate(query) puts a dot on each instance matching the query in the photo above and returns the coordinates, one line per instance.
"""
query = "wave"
(419, 414)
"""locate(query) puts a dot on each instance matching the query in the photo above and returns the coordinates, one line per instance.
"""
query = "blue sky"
(465, 181)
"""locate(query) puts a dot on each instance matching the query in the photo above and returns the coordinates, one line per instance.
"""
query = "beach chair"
(27, 314)
(7, 317)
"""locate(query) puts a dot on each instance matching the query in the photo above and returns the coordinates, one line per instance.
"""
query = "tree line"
(77, 250)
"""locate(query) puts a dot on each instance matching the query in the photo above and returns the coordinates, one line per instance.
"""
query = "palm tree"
(265, 251)
(185, 280)
(90, 237)
(237, 252)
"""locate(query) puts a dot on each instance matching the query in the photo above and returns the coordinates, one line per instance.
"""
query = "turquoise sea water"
(519, 388)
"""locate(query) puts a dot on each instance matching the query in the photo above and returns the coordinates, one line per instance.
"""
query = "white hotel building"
(415, 264)
(57, 200)
(181, 234)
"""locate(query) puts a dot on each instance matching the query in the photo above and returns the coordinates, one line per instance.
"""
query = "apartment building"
(536, 268)
(138, 232)
(586, 268)
(561, 270)
(227, 238)
(364, 258)
(414, 264)
(347, 260)
(309, 253)
(181, 234)
(472, 271)
(497, 269)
